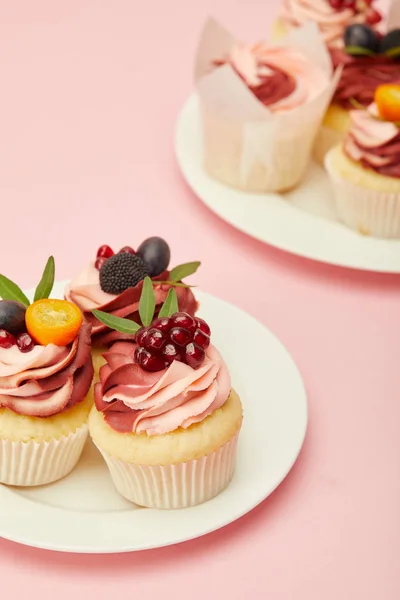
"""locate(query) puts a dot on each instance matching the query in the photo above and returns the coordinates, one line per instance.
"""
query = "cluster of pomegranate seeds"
(179, 337)
(105, 252)
(372, 16)
(24, 341)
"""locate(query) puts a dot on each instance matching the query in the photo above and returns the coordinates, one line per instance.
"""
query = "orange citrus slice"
(387, 99)
(53, 322)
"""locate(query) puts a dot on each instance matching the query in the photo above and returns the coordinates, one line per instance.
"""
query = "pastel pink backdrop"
(90, 91)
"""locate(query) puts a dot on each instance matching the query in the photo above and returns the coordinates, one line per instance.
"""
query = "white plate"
(83, 512)
(302, 222)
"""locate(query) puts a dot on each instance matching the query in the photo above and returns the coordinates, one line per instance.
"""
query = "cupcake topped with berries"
(331, 16)
(46, 372)
(113, 283)
(166, 419)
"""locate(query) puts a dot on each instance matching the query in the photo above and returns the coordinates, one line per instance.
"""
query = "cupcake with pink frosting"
(365, 169)
(113, 282)
(166, 418)
(261, 106)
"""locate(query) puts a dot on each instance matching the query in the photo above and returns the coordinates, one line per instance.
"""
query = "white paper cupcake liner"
(38, 463)
(327, 138)
(368, 211)
(175, 486)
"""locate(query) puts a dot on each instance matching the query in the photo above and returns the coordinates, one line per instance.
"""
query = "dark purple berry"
(194, 355)
(7, 340)
(12, 316)
(156, 255)
(180, 336)
(360, 36)
(25, 343)
(154, 340)
(390, 41)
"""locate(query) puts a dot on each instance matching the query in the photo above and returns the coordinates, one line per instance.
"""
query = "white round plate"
(84, 513)
(302, 222)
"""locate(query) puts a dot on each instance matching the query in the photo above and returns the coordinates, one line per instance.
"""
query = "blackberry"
(121, 272)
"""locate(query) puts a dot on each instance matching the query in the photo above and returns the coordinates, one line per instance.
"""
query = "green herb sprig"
(11, 291)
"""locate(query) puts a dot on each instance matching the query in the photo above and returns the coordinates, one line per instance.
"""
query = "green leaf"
(147, 303)
(45, 285)
(170, 305)
(11, 291)
(357, 104)
(117, 323)
(184, 270)
(393, 52)
(175, 284)
(359, 51)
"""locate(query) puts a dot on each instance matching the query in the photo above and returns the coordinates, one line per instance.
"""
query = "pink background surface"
(90, 91)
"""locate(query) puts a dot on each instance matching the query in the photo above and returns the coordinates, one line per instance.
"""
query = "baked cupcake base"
(174, 470)
(37, 451)
(365, 200)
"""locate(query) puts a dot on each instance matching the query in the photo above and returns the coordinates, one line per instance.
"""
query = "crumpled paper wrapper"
(245, 145)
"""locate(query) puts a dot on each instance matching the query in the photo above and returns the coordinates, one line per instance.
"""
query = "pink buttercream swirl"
(373, 143)
(134, 400)
(331, 22)
(281, 78)
(47, 380)
(85, 291)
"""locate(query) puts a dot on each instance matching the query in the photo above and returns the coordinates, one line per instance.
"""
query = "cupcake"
(166, 418)
(368, 60)
(261, 106)
(331, 16)
(113, 284)
(365, 169)
(46, 373)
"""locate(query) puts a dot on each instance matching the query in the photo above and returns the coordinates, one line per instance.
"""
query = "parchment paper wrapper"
(245, 145)
(367, 211)
(37, 463)
(175, 486)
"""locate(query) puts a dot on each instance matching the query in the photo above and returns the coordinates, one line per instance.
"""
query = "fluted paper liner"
(246, 145)
(38, 463)
(175, 486)
(365, 210)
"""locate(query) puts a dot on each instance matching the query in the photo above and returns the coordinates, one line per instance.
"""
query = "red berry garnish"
(349, 4)
(154, 339)
(194, 355)
(148, 361)
(180, 336)
(373, 17)
(25, 343)
(141, 336)
(163, 324)
(336, 4)
(7, 340)
(181, 319)
(203, 326)
(99, 263)
(105, 252)
(127, 250)
(201, 339)
(171, 353)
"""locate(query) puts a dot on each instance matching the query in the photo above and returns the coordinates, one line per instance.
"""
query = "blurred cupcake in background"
(261, 106)
(365, 169)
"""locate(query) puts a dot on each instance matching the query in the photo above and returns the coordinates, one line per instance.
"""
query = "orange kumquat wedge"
(53, 322)
(387, 99)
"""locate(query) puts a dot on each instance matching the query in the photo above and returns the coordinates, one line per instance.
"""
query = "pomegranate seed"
(99, 263)
(141, 336)
(162, 324)
(127, 250)
(194, 355)
(25, 343)
(180, 336)
(201, 339)
(373, 17)
(349, 4)
(171, 353)
(7, 340)
(148, 361)
(184, 320)
(203, 326)
(336, 4)
(154, 339)
(105, 252)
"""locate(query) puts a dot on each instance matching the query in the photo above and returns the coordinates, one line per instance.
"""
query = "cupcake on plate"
(46, 373)
(365, 169)
(166, 418)
(261, 106)
(113, 284)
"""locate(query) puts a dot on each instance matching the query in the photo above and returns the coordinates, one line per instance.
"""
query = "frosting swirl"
(134, 400)
(281, 78)
(362, 75)
(331, 22)
(85, 291)
(373, 143)
(47, 380)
